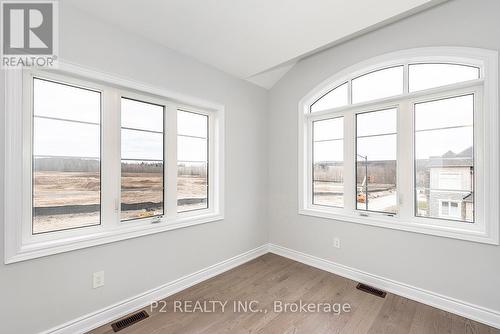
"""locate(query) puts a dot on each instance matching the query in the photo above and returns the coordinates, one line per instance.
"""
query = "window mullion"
(405, 161)
(349, 163)
(349, 92)
(110, 158)
(406, 79)
(212, 201)
(170, 147)
(24, 101)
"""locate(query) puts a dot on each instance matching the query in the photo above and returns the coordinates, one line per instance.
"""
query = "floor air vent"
(129, 321)
(371, 290)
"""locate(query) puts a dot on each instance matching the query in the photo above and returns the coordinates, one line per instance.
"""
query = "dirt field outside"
(63, 200)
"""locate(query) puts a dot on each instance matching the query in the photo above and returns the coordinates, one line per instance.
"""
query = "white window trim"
(486, 227)
(20, 244)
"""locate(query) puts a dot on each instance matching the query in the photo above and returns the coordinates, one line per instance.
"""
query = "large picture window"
(93, 159)
(408, 142)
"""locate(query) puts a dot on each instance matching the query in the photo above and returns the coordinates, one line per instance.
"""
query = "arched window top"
(337, 97)
(397, 74)
(430, 75)
(378, 84)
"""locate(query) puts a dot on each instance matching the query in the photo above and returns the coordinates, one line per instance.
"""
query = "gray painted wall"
(38, 294)
(459, 269)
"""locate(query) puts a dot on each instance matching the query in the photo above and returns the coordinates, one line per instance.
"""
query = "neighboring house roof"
(468, 152)
(452, 159)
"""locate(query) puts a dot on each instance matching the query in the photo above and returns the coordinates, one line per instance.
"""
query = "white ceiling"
(257, 40)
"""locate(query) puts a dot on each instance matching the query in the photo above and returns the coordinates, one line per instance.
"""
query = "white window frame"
(485, 229)
(20, 243)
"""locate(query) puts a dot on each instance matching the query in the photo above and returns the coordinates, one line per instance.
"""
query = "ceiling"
(256, 40)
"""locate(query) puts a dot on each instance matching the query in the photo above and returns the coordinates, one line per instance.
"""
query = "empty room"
(249, 166)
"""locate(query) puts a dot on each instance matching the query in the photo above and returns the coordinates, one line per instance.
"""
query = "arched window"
(337, 97)
(389, 82)
(406, 140)
(430, 75)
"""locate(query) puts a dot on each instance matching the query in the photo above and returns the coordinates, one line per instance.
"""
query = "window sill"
(99, 236)
(417, 226)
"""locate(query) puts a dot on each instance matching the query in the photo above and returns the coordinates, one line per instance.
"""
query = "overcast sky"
(77, 139)
(375, 129)
(441, 126)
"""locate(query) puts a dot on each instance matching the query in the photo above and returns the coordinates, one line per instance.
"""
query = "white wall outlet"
(336, 242)
(98, 279)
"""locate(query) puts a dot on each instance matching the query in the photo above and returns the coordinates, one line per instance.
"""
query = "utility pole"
(366, 179)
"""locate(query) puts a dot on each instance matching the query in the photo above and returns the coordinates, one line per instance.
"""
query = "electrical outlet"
(98, 279)
(336, 242)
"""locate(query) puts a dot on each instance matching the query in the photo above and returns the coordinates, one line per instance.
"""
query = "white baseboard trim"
(467, 310)
(95, 319)
(98, 318)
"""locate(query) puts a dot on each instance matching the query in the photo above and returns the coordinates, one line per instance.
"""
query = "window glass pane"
(424, 76)
(337, 97)
(377, 85)
(66, 157)
(192, 186)
(332, 128)
(191, 124)
(376, 162)
(192, 161)
(141, 115)
(377, 123)
(142, 145)
(444, 163)
(63, 101)
(142, 167)
(191, 149)
(328, 157)
(377, 147)
(452, 112)
(328, 150)
(444, 143)
(66, 193)
(141, 189)
(65, 138)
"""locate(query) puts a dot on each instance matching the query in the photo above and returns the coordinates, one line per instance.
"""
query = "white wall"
(459, 269)
(38, 294)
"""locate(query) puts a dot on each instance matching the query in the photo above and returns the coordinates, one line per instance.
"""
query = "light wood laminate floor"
(271, 277)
